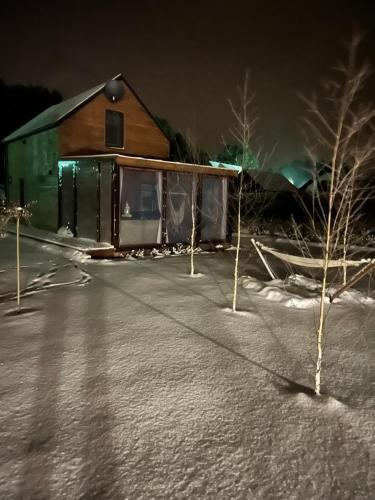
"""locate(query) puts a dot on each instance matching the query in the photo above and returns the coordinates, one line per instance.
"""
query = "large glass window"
(179, 216)
(140, 207)
(214, 208)
(114, 129)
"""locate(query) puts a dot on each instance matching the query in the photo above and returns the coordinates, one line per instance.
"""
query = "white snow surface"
(65, 232)
(128, 380)
(300, 292)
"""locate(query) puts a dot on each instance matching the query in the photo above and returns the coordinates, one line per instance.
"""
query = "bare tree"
(243, 133)
(10, 213)
(195, 155)
(193, 223)
(341, 128)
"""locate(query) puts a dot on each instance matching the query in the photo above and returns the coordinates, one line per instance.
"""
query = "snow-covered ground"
(130, 380)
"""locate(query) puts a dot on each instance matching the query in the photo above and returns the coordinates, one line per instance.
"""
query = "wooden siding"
(84, 131)
(35, 159)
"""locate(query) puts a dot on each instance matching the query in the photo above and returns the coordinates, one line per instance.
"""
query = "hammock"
(310, 262)
(177, 214)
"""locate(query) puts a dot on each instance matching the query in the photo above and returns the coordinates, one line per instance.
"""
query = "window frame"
(107, 143)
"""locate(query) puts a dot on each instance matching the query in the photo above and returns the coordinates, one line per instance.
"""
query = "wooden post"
(361, 274)
(273, 277)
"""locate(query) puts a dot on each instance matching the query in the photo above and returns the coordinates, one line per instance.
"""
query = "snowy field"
(131, 380)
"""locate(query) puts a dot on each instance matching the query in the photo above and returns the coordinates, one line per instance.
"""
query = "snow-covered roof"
(298, 175)
(271, 181)
(219, 164)
(156, 164)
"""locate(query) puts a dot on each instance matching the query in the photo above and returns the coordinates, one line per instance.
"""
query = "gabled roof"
(55, 114)
(272, 181)
(268, 180)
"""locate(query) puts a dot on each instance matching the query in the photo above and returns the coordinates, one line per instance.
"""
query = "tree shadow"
(275, 337)
(294, 388)
(36, 476)
(22, 311)
(180, 285)
(99, 476)
(288, 382)
(218, 284)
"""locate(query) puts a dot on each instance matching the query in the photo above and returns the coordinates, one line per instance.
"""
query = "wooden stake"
(266, 265)
(361, 274)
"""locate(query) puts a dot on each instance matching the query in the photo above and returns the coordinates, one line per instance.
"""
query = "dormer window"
(114, 129)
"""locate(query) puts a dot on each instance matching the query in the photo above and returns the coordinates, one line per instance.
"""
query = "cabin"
(97, 166)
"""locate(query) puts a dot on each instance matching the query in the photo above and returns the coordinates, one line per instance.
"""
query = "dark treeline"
(19, 104)
(182, 149)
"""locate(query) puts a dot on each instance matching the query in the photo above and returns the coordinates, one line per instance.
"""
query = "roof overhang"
(154, 164)
(230, 166)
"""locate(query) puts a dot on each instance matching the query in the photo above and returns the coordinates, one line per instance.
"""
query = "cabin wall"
(84, 131)
(34, 159)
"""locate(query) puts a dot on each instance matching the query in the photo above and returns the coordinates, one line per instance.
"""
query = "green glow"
(65, 164)
(296, 174)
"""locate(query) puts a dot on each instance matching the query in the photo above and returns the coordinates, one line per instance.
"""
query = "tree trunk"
(192, 238)
(320, 332)
(236, 264)
(18, 261)
(193, 224)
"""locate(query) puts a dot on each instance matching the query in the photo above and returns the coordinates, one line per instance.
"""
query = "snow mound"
(334, 404)
(298, 292)
(195, 275)
(354, 297)
(65, 232)
(78, 256)
(247, 314)
(329, 403)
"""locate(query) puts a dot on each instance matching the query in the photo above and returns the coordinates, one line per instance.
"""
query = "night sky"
(185, 59)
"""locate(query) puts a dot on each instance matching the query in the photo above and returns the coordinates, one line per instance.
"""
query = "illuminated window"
(114, 129)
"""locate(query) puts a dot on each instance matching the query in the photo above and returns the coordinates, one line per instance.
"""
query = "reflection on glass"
(140, 207)
(179, 220)
(213, 210)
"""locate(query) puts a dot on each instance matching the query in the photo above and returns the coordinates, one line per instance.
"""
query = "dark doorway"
(87, 184)
(67, 174)
(22, 192)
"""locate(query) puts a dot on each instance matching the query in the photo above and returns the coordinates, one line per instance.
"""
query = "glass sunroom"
(135, 202)
(140, 207)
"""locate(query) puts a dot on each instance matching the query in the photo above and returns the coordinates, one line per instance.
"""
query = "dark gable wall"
(84, 131)
(35, 160)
